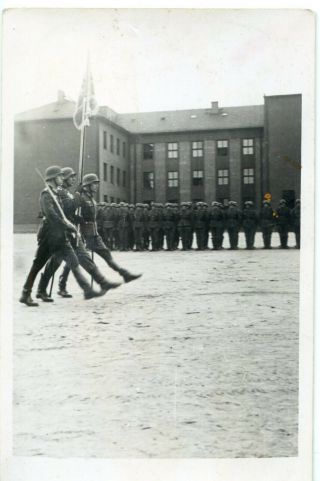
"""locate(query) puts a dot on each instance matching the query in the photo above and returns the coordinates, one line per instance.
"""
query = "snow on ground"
(198, 358)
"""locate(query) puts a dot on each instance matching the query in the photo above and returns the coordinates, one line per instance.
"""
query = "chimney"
(215, 107)
(61, 96)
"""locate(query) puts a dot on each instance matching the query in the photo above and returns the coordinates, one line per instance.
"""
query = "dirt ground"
(198, 358)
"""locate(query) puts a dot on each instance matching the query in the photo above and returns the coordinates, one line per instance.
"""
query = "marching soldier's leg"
(41, 257)
(63, 282)
(51, 267)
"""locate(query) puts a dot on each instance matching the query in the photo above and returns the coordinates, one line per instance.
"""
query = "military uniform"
(185, 225)
(216, 225)
(146, 228)
(108, 218)
(250, 223)
(283, 218)
(89, 231)
(233, 223)
(266, 223)
(154, 226)
(295, 218)
(138, 223)
(200, 220)
(169, 219)
(123, 226)
(54, 239)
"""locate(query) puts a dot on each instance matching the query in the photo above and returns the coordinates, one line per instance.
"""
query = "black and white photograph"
(158, 300)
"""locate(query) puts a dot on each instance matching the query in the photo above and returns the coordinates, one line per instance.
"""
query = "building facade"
(232, 153)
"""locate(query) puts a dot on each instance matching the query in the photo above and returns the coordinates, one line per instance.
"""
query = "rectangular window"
(222, 147)
(197, 149)
(148, 151)
(105, 171)
(111, 144)
(223, 176)
(118, 146)
(197, 177)
(118, 176)
(148, 180)
(111, 199)
(124, 149)
(104, 139)
(173, 150)
(247, 147)
(105, 198)
(173, 178)
(248, 176)
(124, 178)
(111, 174)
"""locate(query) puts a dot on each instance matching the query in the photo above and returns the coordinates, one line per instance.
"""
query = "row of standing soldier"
(126, 226)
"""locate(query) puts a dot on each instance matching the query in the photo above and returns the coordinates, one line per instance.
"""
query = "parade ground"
(198, 358)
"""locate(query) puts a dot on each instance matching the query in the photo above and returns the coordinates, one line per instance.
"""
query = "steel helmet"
(89, 179)
(53, 171)
(67, 172)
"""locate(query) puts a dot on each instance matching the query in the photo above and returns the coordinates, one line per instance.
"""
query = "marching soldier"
(216, 225)
(233, 223)
(295, 217)
(69, 204)
(93, 241)
(249, 222)
(283, 218)
(266, 223)
(54, 239)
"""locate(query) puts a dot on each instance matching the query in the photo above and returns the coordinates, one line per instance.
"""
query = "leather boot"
(62, 288)
(128, 277)
(27, 299)
(102, 281)
(42, 291)
(88, 292)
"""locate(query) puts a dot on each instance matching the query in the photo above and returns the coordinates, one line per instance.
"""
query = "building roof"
(156, 122)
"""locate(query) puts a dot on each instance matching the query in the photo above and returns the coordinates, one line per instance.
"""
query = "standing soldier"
(100, 208)
(216, 225)
(108, 225)
(146, 229)
(185, 225)
(295, 217)
(116, 241)
(266, 223)
(93, 241)
(69, 204)
(137, 224)
(200, 224)
(283, 218)
(233, 223)
(123, 226)
(154, 225)
(54, 239)
(161, 229)
(249, 222)
(206, 230)
(168, 222)
(131, 236)
(176, 237)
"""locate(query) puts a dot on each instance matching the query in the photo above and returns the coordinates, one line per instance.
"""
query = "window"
(248, 176)
(148, 180)
(148, 151)
(104, 139)
(111, 174)
(222, 147)
(105, 172)
(105, 198)
(111, 143)
(197, 149)
(173, 179)
(111, 199)
(173, 150)
(223, 177)
(247, 147)
(118, 176)
(197, 177)
(124, 178)
(124, 149)
(118, 146)
(118, 200)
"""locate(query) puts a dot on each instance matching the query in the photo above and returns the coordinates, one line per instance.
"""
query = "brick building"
(237, 153)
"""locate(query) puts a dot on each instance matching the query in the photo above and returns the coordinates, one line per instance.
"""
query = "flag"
(87, 105)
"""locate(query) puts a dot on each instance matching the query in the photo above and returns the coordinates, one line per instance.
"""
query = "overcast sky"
(146, 60)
